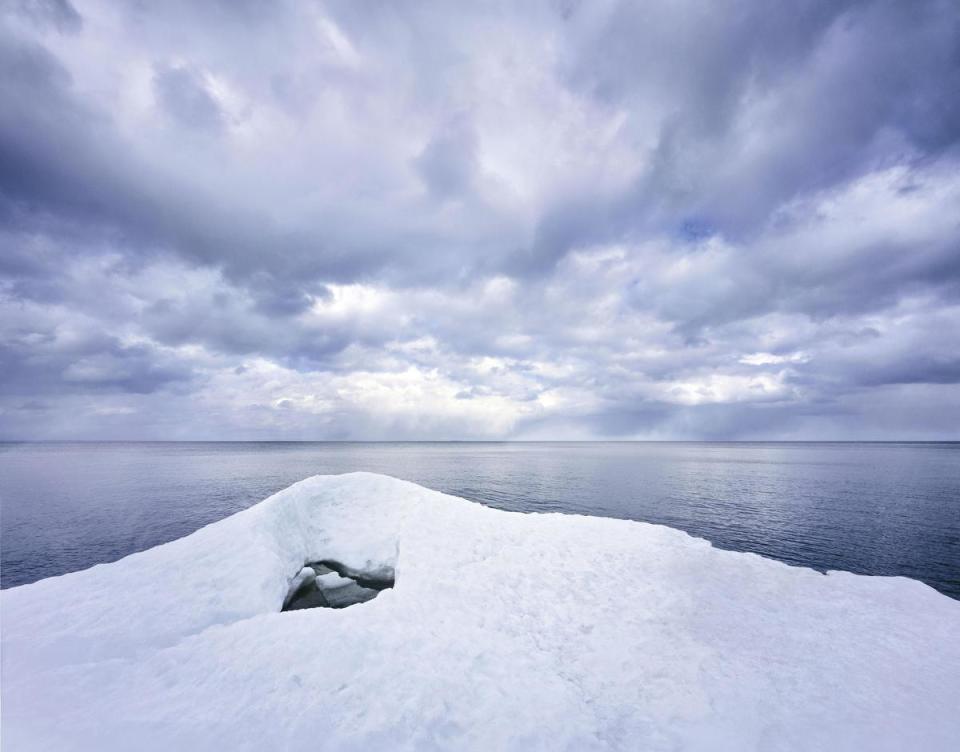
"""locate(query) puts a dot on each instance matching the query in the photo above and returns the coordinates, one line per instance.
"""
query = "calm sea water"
(881, 509)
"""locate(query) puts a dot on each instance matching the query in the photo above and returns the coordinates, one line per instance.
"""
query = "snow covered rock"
(501, 631)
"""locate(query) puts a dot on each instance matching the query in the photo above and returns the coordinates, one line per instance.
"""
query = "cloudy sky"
(723, 219)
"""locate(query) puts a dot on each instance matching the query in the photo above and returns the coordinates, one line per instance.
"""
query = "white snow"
(301, 577)
(503, 631)
(332, 581)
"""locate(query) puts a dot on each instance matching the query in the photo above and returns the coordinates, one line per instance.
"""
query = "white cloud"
(766, 359)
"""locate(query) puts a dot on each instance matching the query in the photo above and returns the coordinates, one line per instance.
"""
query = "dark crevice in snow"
(330, 584)
(376, 579)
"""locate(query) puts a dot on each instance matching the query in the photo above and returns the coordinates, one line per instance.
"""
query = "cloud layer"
(547, 220)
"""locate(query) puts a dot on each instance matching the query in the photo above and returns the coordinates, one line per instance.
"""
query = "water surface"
(882, 509)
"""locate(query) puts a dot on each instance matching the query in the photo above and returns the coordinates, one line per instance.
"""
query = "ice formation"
(501, 631)
(320, 585)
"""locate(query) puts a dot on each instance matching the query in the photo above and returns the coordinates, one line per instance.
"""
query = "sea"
(870, 508)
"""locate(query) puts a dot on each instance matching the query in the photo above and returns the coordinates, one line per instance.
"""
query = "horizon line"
(479, 441)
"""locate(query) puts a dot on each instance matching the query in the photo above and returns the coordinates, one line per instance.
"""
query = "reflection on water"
(869, 508)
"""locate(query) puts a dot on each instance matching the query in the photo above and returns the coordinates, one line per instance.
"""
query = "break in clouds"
(341, 220)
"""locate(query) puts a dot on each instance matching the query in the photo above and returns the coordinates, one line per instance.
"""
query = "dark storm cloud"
(229, 324)
(761, 105)
(724, 219)
(827, 81)
(37, 363)
(64, 159)
(62, 166)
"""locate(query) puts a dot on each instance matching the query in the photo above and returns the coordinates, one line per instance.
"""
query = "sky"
(718, 220)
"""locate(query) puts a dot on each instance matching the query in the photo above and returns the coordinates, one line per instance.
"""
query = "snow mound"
(501, 631)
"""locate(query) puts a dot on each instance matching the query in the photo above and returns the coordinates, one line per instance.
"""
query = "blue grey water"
(878, 509)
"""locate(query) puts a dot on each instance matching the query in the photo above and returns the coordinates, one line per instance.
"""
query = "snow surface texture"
(503, 631)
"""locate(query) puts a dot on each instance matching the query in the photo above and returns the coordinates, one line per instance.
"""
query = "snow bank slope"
(504, 631)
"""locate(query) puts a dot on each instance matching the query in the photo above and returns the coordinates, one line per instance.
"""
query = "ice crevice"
(330, 584)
